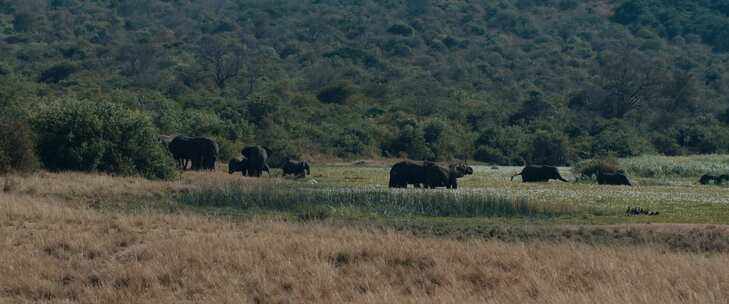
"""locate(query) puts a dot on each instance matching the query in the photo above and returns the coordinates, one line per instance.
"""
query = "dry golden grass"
(55, 252)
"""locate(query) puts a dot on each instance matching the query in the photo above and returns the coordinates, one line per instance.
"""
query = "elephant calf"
(246, 168)
(612, 179)
(534, 173)
(296, 168)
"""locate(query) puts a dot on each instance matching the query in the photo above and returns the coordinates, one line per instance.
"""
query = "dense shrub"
(619, 139)
(548, 148)
(89, 136)
(504, 146)
(16, 147)
(57, 73)
(590, 168)
(400, 29)
(337, 93)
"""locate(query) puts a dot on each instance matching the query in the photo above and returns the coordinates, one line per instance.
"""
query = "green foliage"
(16, 147)
(548, 148)
(683, 166)
(336, 93)
(590, 168)
(619, 139)
(503, 146)
(89, 136)
(57, 73)
(400, 29)
(478, 78)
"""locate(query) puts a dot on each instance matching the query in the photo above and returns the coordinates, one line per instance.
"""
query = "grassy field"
(341, 236)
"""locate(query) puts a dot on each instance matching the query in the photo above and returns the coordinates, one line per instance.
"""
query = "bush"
(338, 93)
(548, 148)
(590, 168)
(16, 147)
(616, 137)
(89, 136)
(400, 29)
(57, 73)
(490, 155)
(503, 146)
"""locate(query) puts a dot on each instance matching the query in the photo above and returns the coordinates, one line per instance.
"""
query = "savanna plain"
(340, 235)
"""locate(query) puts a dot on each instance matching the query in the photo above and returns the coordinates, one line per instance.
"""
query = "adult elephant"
(534, 173)
(406, 173)
(257, 158)
(426, 174)
(439, 176)
(296, 168)
(202, 152)
(612, 179)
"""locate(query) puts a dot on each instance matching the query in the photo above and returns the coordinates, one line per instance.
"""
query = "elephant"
(256, 157)
(201, 151)
(406, 173)
(708, 178)
(534, 173)
(612, 179)
(426, 174)
(296, 168)
(439, 176)
(243, 166)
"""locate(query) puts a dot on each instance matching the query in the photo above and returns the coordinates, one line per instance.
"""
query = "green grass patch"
(315, 202)
(654, 166)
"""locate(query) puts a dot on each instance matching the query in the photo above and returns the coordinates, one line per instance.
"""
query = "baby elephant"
(296, 168)
(612, 179)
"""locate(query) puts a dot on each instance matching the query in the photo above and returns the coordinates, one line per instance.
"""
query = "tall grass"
(384, 202)
(676, 166)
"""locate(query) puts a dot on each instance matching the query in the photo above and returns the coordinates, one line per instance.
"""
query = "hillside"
(499, 81)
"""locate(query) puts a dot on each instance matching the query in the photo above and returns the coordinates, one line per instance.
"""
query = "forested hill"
(496, 80)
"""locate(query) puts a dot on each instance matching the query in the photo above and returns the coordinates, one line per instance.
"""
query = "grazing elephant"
(707, 179)
(201, 151)
(534, 173)
(296, 168)
(256, 156)
(406, 173)
(612, 179)
(439, 176)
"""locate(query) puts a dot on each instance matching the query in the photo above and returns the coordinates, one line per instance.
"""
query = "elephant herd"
(431, 175)
(201, 153)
